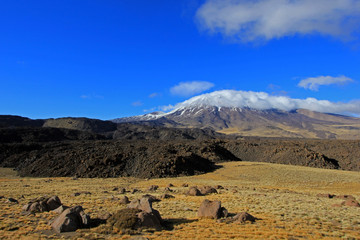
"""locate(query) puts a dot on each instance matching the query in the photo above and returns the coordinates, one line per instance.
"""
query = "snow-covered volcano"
(259, 114)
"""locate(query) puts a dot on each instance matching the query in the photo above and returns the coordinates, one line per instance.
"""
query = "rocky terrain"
(240, 200)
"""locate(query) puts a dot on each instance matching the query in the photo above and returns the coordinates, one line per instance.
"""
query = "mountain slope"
(235, 112)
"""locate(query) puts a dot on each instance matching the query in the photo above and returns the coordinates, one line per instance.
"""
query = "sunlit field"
(284, 199)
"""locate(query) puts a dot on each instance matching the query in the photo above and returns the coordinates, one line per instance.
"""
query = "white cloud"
(262, 100)
(166, 108)
(313, 83)
(153, 95)
(187, 89)
(137, 104)
(249, 20)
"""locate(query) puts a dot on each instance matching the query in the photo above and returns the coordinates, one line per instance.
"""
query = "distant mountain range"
(227, 112)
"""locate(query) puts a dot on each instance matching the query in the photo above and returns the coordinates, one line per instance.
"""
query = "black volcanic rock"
(11, 121)
(82, 124)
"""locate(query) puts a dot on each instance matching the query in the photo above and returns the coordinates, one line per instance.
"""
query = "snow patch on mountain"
(263, 101)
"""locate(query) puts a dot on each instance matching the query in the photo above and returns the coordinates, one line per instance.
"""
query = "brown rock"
(143, 204)
(12, 200)
(170, 185)
(151, 198)
(122, 190)
(153, 188)
(53, 203)
(42, 204)
(211, 209)
(205, 190)
(194, 191)
(70, 220)
(185, 185)
(149, 220)
(124, 200)
(167, 189)
(243, 217)
(166, 196)
(60, 209)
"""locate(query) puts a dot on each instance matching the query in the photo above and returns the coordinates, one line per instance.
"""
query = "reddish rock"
(351, 203)
(211, 209)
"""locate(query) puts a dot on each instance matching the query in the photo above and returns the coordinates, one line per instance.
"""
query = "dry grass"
(283, 197)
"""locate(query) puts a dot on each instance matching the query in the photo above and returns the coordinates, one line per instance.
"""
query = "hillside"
(235, 112)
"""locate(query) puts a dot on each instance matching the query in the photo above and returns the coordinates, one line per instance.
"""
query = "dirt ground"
(282, 197)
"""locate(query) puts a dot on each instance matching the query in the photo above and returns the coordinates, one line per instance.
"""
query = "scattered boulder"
(12, 200)
(115, 189)
(151, 198)
(219, 187)
(80, 193)
(166, 196)
(185, 185)
(133, 218)
(122, 190)
(42, 204)
(146, 216)
(135, 190)
(212, 209)
(153, 188)
(205, 190)
(60, 209)
(170, 185)
(70, 220)
(167, 189)
(244, 217)
(124, 200)
(194, 191)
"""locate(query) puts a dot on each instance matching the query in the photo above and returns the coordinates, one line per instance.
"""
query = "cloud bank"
(262, 101)
(314, 82)
(249, 20)
(186, 89)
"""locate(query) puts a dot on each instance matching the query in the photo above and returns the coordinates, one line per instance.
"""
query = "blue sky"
(116, 58)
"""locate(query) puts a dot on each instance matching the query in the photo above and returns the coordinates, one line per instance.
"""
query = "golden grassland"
(284, 198)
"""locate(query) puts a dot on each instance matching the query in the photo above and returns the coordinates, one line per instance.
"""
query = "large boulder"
(70, 220)
(211, 209)
(42, 204)
(147, 217)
